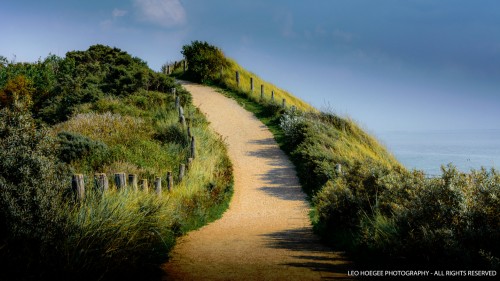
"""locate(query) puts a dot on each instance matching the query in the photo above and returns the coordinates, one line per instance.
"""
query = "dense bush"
(74, 147)
(32, 188)
(204, 61)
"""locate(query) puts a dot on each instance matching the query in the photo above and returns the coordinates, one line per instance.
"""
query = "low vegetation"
(99, 111)
(373, 207)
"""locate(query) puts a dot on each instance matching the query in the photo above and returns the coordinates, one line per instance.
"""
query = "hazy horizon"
(389, 65)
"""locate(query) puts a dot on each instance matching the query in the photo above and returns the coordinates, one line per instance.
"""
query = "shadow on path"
(303, 240)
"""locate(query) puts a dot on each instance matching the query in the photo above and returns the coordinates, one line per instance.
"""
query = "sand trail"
(266, 233)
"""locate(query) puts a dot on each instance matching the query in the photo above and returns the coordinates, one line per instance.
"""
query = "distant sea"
(428, 150)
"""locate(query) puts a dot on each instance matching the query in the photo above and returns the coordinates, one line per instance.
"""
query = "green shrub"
(75, 147)
(204, 61)
(32, 188)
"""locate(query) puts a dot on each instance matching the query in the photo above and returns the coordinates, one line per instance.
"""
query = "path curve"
(266, 233)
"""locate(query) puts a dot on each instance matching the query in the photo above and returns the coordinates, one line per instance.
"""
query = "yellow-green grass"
(229, 79)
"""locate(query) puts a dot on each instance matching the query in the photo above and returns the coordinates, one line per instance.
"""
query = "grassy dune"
(373, 207)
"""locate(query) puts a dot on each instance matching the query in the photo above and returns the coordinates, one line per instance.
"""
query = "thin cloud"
(165, 13)
(119, 13)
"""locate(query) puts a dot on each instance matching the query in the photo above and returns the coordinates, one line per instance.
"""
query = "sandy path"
(266, 233)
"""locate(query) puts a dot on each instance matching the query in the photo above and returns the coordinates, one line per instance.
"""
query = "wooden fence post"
(158, 186)
(170, 181)
(189, 163)
(251, 84)
(182, 171)
(262, 92)
(338, 168)
(272, 96)
(193, 148)
(184, 65)
(132, 181)
(168, 70)
(284, 103)
(144, 185)
(101, 182)
(78, 186)
(120, 180)
(177, 101)
(237, 79)
(189, 132)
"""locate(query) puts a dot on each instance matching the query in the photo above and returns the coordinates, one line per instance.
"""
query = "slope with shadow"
(266, 233)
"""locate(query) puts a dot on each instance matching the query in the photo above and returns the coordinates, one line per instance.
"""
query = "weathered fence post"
(168, 69)
(189, 132)
(284, 103)
(193, 148)
(189, 163)
(182, 171)
(251, 84)
(262, 92)
(182, 119)
(272, 96)
(78, 185)
(338, 168)
(237, 79)
(158, 186)
(184, 65)
(132, 181)
(177, 101)
(144, 185)
(101, 182)
(173, 91)
(293, 108)
(170, 181)
(120, 180)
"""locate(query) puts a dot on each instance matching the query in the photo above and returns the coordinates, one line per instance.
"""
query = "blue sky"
(388, 64)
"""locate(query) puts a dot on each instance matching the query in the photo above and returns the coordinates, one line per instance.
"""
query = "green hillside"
(369, 205)
(100, 111)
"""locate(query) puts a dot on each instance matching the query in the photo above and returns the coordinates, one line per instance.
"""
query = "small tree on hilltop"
(204, 60)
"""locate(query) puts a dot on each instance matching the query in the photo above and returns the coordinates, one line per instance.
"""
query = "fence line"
(262, 93)
(101, 181)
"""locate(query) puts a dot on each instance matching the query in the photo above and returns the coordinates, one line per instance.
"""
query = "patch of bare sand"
(266, 233)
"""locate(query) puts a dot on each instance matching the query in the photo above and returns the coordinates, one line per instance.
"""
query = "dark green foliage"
(77, 147)
(61, 84)
(204, 61)
(175, 133)
(32, 186)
